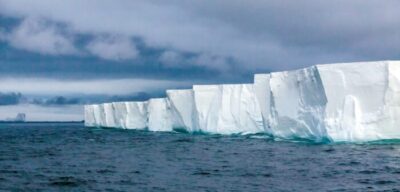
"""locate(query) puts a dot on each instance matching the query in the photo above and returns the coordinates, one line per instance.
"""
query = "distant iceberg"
(21, 117)
(344, 102)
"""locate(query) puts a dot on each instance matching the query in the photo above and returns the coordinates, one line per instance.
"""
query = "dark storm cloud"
(54, 101)
(17, 63)
(64, 100)
(10, 98)
(14, 98)
(228, 39)
(58, 100)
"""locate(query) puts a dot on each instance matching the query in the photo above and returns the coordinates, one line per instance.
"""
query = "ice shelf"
(344, 102)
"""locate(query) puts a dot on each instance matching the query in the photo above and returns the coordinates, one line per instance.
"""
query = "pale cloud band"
(40, 86)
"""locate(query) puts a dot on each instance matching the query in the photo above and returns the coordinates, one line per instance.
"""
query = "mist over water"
(66, 156)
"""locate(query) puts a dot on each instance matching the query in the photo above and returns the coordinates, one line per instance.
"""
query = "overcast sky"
(125, 48)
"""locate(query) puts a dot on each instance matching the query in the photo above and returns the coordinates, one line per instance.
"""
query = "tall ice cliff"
(348, 102)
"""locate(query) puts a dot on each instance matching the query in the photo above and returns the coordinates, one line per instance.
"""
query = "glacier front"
(344, 102)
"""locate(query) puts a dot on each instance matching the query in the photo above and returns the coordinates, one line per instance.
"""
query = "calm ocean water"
(70, 157)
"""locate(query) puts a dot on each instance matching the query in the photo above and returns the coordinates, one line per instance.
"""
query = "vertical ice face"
(90, 120)
(297, 104)
(389, 126)
(96, 117)
(109, 115)
(159, 115)
(240, 111)
(183, 109)
(99, 115)
(355, 94)
(136, 117)
(228, 109)
(207, 100)
(262, 92)
(358, 95)
(120, 114)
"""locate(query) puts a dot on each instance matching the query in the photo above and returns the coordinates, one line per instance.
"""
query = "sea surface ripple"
(70, 157)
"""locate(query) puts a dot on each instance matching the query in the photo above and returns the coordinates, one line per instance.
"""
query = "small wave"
(66, 182)
(324, 140)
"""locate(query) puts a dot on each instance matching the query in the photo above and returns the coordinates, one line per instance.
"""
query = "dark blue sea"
(70, 157)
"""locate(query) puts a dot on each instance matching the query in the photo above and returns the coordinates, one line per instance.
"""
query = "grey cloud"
(10, 98)
(175, 59)
(15, 98)
(141, 96)
(85, 99)
(113, 48)
(57, 101)
(171, 58)
(46, 37)
(2, 35)
(258, 35)
(158, 24)
(213, 62)
(37, 35)
(308, 30)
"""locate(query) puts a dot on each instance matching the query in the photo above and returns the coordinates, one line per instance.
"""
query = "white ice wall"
(159, 115)
(183, 109)
(99, 115)
(90, 120)
(207, 101)
(127, 115)
(340, 102)
(120, 114)
(263, 95)
(228, 109)
(297, 104)
(361, 100)
(109, 115)
(136, 117)
(391, 109)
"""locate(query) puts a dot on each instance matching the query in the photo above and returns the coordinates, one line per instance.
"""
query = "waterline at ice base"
(344, 102)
